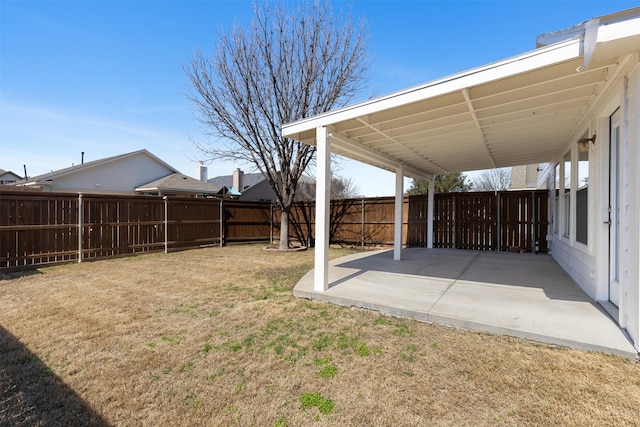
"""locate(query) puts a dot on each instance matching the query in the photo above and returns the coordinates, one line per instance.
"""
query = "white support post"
(166, 224)
(430, 202)
(80, 228)
(323, 184)
(397, 229)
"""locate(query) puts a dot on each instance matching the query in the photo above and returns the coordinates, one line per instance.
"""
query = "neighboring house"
(138, 172)
(250, 186)
(523, 177)
(179, 185)
(572, 106)
(8, 177)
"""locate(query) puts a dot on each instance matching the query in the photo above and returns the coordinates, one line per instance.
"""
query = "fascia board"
(540, 58)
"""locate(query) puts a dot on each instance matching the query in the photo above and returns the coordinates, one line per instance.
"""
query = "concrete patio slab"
(523, 295)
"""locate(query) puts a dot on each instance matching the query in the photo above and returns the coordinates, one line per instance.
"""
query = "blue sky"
(105, 77)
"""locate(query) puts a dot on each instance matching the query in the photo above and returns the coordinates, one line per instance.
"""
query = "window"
(566, 202)
(582, 197)
(556, 201)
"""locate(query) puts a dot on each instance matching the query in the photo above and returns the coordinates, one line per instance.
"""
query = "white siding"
(121, 176)
(588, 266)
(577, 263)
(631, 288)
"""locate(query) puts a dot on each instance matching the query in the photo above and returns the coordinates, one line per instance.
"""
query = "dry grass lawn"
(215, 337)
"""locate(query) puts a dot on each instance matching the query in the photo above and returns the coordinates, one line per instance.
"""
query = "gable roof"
(9, 173)
(518, 111)
(250, 179)
(180, 183)
(41, 179)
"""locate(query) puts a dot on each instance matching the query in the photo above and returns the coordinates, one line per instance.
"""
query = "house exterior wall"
(631, 290)
(120, 176)
(261, 192)
(588, 264)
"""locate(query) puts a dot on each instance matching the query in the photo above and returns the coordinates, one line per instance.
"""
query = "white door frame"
(614, 201)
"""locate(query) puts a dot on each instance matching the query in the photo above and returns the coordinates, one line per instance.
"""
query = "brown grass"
(214, 337)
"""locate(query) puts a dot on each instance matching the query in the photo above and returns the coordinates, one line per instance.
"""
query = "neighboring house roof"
(250, 179)
(179, 183)
(47, 177)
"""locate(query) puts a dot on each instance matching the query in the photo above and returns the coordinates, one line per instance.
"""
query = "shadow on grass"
(16, 273)
(31, 395)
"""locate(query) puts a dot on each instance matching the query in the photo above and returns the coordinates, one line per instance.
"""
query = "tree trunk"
(284, 228)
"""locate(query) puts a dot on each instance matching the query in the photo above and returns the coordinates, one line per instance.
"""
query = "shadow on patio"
(523, 295)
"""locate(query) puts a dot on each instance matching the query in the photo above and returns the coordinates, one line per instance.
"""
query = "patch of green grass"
(327, 371)
(401, 329)
(324, 405)
(188, 366)
(214, 312)
(381, 320)
(321, 361)
(362, 349)
(324, 341)
(240, 387)
(281, 422)
(170, 341)
(346, 342)
(152, 344)
(409, 353)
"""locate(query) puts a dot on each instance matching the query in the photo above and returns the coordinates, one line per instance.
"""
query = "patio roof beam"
(347, 145)
(387, 136)
(472, 111)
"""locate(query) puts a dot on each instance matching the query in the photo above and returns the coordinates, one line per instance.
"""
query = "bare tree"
(493, 180)
(296, 61)
(341, 188)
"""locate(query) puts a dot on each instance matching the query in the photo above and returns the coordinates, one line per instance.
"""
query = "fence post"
(166, 224)
(362, 227)
(221, 223)
(80, 211)
(271, 225)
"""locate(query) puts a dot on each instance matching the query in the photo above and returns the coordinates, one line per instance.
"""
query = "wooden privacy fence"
(487, 221)
(491, 221)
(45, 228)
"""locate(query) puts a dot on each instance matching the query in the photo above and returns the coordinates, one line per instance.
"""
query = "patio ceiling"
(519, 111)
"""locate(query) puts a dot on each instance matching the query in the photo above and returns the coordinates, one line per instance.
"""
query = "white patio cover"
(519, 111)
